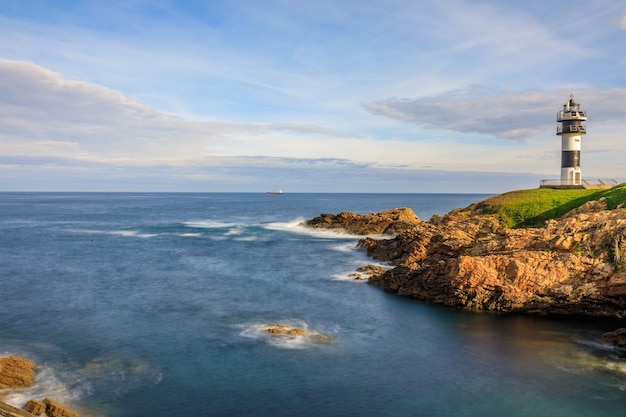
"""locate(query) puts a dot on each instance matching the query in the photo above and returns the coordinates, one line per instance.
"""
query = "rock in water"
(386, 222)
(16, 372)
(285, 330)
(54, 409)
(367, 271)
(616, 338)
(35, 407)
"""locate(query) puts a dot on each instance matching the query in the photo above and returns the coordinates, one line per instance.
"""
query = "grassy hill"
(531, 208)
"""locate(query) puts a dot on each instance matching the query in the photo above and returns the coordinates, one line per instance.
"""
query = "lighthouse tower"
(571, 129)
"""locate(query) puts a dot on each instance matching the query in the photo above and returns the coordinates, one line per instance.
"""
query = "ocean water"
(153, 305)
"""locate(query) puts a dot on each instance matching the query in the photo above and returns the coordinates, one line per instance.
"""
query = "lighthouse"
(571, 129)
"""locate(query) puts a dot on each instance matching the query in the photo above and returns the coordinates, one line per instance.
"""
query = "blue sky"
(307, 96)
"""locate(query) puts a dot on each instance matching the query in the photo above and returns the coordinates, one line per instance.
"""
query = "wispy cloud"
(500, 114)
(318, 93)
(41, 110)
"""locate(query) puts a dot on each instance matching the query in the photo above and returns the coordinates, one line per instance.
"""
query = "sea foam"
(209, 224)
(123, 233)
(297, 226)
(49, 385)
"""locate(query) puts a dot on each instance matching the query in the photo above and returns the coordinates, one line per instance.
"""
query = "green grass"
(531, 208)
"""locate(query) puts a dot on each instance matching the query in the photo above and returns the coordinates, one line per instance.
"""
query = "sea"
(154, 304)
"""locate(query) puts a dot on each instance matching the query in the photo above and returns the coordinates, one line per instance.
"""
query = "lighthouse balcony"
(560, 129)
(571, 115)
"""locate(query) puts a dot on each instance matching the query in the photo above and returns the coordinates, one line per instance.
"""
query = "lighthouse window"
(574, 113)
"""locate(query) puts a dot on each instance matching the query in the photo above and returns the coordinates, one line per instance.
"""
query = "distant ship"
(278, 192)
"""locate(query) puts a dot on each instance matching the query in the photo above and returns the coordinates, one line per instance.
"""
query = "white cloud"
(41, 110)
(47, 123)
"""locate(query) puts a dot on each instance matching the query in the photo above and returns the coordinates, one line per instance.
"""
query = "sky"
(379, 96)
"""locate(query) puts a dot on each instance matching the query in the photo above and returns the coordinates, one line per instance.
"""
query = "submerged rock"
(616, 338)
(285, 330)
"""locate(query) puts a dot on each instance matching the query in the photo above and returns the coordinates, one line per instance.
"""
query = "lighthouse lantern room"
(571, 129)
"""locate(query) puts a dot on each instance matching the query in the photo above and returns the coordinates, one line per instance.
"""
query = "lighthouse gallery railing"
(570, 129)
(587, 183)
(570, 115)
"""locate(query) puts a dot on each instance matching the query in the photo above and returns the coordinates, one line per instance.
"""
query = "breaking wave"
(50, 385)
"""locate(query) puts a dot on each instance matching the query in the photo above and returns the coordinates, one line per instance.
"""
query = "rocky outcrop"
(7, 410)
(54, 409)
(574, 265)
(16, 372)
(366, 272)
(48, 407)
(386, 222)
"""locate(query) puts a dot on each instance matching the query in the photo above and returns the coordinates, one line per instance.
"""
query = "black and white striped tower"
(571, 129)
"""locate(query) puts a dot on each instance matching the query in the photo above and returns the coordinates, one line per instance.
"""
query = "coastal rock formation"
(365, 272)
(54, 409)
(285, 330)
(574, 265)
(49, 407)
(16, 372)
(386, 222)
(35, 407)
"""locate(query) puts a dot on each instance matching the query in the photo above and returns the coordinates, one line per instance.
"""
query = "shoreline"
(571, 266)
(20, 373)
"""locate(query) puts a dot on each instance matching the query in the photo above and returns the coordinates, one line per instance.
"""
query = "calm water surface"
(151, 305)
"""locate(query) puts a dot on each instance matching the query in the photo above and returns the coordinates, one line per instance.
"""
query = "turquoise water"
(152, 304)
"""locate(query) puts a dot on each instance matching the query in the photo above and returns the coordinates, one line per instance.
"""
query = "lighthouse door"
(577, 178)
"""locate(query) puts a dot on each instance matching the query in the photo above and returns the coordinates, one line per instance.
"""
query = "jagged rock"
(7, 410)
(16, 372)
(386, 222)
(285, 330)
(35, 407)
(575, 265)
(54, 409)
(367, 271)
(49, 408)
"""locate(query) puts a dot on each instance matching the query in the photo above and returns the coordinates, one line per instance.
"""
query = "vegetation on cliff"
(531, 208)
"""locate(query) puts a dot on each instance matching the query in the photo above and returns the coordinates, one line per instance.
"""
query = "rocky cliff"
(574, 265)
